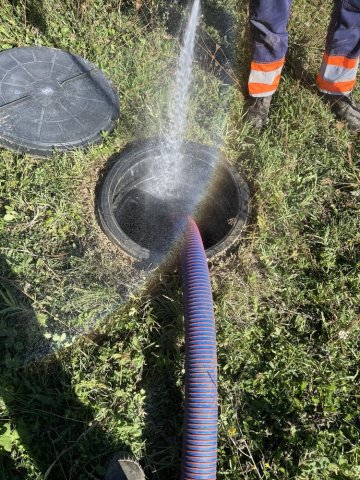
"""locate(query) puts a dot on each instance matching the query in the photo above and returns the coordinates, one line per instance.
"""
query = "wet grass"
(286, 300)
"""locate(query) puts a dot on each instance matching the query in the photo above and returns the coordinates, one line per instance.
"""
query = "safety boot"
(344, 108)
(257, 111)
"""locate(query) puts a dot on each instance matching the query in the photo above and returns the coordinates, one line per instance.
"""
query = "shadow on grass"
(273, 415)
(55, 429)
(297, 68)
(164, 399)
(217, 34)
(217, 43)
(33, 13)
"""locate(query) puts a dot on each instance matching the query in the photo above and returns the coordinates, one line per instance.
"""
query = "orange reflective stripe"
(336, 87)
(258, 88)
(267, 67)
(340, 61)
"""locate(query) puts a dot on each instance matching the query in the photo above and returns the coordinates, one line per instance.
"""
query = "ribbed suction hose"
(201, 402)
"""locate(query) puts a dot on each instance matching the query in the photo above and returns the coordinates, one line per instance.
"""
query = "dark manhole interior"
(143, 210)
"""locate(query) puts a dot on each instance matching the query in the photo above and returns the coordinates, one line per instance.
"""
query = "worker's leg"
(268, 22)
(340, 63)
(337, 76)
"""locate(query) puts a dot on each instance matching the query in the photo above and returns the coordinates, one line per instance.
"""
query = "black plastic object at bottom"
(142, 203)
(50, 99)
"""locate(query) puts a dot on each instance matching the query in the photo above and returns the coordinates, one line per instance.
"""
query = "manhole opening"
(142, 210)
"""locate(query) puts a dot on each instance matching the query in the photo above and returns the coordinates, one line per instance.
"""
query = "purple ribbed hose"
(199, 454)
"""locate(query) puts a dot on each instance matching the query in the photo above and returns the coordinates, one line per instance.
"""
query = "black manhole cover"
(53, 99)
(139, 213)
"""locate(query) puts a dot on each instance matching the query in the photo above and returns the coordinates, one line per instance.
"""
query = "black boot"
(124, 467)
(257, 111)
(344, 108)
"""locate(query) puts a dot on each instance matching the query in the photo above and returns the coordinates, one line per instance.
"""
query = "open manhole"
(50, 99)
(144, 214)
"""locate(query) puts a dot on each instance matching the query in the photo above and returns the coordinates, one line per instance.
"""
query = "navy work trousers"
(268, 22)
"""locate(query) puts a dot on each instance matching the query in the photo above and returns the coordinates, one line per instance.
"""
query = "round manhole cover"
(50, 99)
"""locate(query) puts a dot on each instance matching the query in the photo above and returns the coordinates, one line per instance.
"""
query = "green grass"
(287, 300)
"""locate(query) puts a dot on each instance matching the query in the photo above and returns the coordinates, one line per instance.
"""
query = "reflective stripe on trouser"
(339, 67)
(268, 22)
(264, 78)
(268, 25)
(337, 74)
